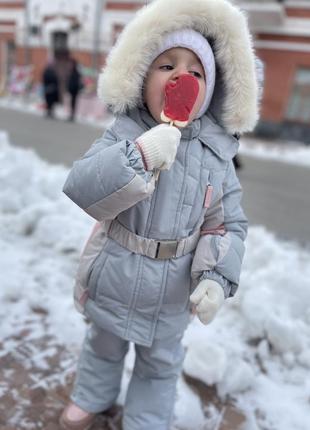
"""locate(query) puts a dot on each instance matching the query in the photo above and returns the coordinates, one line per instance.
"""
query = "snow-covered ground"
(90, 110)
(256, 352)
(287, 152)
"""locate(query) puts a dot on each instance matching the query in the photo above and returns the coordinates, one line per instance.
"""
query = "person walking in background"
(74, 86)
(50, 88)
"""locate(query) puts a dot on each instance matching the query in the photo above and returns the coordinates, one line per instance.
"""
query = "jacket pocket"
(95, 270)
(208, 196)
(198, 209)
(178, 285)
(89, 255)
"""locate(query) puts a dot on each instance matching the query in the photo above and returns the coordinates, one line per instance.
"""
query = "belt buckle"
(166, 249)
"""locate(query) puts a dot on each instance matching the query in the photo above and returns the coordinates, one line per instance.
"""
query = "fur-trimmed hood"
(235, 100)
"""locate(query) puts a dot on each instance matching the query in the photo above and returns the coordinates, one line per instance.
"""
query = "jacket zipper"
(150, 218)
(155, 193)
(182, 195)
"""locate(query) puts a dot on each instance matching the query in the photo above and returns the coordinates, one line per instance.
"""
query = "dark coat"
(50, 85)
(74, 83)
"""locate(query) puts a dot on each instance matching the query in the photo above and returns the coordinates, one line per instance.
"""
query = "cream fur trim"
(121, 81)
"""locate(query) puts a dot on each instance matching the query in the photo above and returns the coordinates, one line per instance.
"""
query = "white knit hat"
(193, 40)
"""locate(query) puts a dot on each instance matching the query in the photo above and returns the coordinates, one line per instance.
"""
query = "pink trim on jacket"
(208, 196)
(82, 300)
(94, 230)
(142, 155)
(215, 230)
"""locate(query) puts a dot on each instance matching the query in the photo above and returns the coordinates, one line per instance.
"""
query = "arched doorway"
(59, 44)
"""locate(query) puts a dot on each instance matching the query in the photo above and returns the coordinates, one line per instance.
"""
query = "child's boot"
(75, 418)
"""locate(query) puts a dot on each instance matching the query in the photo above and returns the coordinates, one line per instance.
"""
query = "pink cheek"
(159, 98)
(201, 96)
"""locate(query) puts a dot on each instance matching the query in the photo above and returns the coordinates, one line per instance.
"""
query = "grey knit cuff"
(149, 147)
(228, 287)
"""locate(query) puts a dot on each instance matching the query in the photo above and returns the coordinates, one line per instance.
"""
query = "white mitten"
(208, 297)
(159, 146)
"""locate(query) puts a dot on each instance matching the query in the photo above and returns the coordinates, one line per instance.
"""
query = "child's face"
(169, 66)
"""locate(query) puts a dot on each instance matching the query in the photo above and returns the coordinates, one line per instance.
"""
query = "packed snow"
(256, 352)
(286, 152)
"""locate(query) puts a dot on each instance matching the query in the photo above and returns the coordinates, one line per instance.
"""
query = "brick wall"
(280, 68)
(131, 6)
(283, 38)
(297, 12)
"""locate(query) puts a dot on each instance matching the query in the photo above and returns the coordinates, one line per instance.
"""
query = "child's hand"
(208, 297)
(159, 146)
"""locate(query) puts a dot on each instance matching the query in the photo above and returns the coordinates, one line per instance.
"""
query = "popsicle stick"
(157, 171)
(156, 174)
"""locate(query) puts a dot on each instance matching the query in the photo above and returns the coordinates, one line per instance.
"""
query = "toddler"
(162, 243)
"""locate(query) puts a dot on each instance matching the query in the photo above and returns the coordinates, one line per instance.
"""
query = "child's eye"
(166, 67)
(196, 74)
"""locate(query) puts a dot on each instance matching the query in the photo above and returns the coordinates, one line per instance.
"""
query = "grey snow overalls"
(133, 297)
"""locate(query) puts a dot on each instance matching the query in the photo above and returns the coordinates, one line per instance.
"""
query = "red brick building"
(31, 31)
(282, 41)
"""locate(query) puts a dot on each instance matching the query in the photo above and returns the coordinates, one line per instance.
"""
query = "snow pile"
(41, 235)
(286, 152)
(256, 352)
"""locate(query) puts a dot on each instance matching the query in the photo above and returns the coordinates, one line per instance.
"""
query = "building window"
(299, 103)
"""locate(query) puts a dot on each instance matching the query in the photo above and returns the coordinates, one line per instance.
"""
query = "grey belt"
(158, 249)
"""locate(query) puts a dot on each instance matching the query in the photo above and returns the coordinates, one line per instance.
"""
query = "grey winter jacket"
(125, 292)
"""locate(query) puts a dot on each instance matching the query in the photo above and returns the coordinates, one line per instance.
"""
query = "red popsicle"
(180, 97)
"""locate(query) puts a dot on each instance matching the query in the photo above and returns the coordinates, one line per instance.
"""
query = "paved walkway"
(56, 141)
(275, 194)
